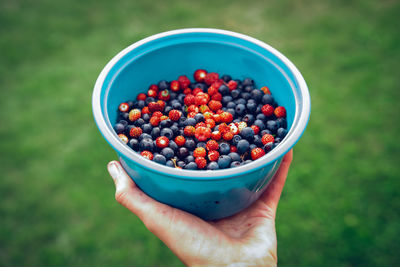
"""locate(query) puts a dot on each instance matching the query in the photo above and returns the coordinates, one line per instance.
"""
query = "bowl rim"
(294, 134)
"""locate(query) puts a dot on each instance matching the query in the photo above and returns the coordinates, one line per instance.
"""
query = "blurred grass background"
(341, 204)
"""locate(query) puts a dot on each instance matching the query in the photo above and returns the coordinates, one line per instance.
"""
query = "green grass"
(340, 206)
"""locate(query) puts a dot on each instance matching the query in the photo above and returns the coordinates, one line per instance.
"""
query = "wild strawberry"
(210, 123)
(162, 142)
(211, 77)
(200, 124)
(163, 118)
(232, 85)
(199, 75)
(265, 90)
(183, 81)
(217, 118)
(201, 162)
(217, 97)
(280, 112)
(199, 152)
(135, 132)
(200, 99)
(226, 117)
(175, 86)
(123, 138)
(204, 108)
(257, 153)
(161, 104)
(233, 128)
(223, 128)
(180, 140)
(242, 125)
(152, 93)
(202, 133)
(212, 145)
(212, 90)
(141, 96)
(189, 100)
(189, 131)
(153, 87)
(255, 128)
(213, 155)
(147, 154)
(208, 115)
(233, 148)
(267, 138)
(267, 110)
(157, 114)
(197, 91)
(145, 110)
(187, 91)
(134, 114)
(174, 115)
(214, 105)
(154, 106)
(192, 114)
(154, 121)
(123, 107)
(227, 136)
(164, 95)
(193, 108)
(216, 135)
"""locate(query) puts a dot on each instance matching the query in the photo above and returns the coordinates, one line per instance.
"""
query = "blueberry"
(131, 103)
(189, 158)
(155, 132)
(190, 122)
(264, 132)
(235, 93)
(172, 96)
(224, 161)
(162, 85)
(272, 125)
(251, 107)
(175, 130)
(124, 116)
(260, 116)
(165, 123)
(248, 88)
(249, 119)
(257, 141)
(199, 117)
(160, 159)
(181, 122)
(167, 152)
(170, 163)
(173, 146)
(181, 97)
(146, 144)
(226, 99)
(231, 105)
(226, 78)
(268, 147)
(224, 148)
(281, 132)
(232, 111)
(240, 109)
(141, 104)
(191, 166)
(212, 166)
(252, 146)
(247, 133)
(146, 117)
(181, 164)
(247, 81)
(148, 100)
(234, 156)
(147, 128)
(260, 124)
(190, 144)
(119, 128)
(123, 122)
(257, 95)
(282, 122)
(167, 109)
(235, 140)
(245, 95)
(183, 152)
(258, 110)
(202, 86)
(192, 85)
(242, 146)
(201, 144)
(223, 89)
(139, 122)
(134, 144)
(235, 164)
(167, 132)
(240, 101)
(267, 99)
(176, 105)
(143, 136)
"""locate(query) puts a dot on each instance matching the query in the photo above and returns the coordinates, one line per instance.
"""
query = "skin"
(245, 239)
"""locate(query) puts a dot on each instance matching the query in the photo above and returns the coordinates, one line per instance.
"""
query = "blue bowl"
(207, 194)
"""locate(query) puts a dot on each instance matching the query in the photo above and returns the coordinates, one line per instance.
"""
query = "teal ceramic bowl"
(208, 194)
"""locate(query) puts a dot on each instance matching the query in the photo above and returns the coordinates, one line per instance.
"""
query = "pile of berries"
(215, 122)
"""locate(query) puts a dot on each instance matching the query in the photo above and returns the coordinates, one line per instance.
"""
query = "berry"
(214, 105)
(183, 81)
(242, 146)
(162, 142)
(217, 97)
(265, 90)
(224, 148)
(180, 140)
(257, 153)
(154, 121)
(267, 138)
(210, 123)
(134, 114)
(182, 152)
(189, 131)
(234, 156)
(146, 144)
(280, 112)
(201, 162)
(235, 164)
(191, 166)
(268, 147)
(224, 90)
(175, 86)
(123, 138)
(174, 115)
(272, 125)
(199, 117)
(236, 139)
(213, 155)
(199, 75)
(255, 128)
(267, 110)
(164, 95)
(226, 117)
(216, 135)
(152, 93)
(257, 95)
(145, 110)
(160, 159)
(212, 145)
(281, 132)
(134, 144)
(147, 154)
(199, 152)
(119, 128)
(167, 152)
(224, 161)
(212, 166)
(211, 78)
(232, 85)
(123, 107)
(135, 132)
(202, 133)
(227, 136)
(190, 144)
(167, 132)
(141, 96)
(247, 133)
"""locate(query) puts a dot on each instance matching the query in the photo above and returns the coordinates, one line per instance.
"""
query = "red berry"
(216, 135)
(189, 130)
(214, 105)
(199, 152)
(192, 114)
(154, 106)
(193, 108)
(147, 154)
(199, 75)
(200, 124)
(174, 115)
(217, 97)
(267, 110)
(232, 85)
(212, 90)
(183, 81)
(163, 118)
(280, 112)
(233, 148)
(226, 117)
(154, 120)
(267, 138)
(123, 107)
(134, 114)
(152, 93)
(255, 128)
(135, 132)
(227, 136)
(213, 155)
(208, 115)
(201, 162)
(202, 133)
(233, 128)
(211, 78)
(242, 125)
(175, 86)
(157, 114)
(217, 118)
(164, 95)
(154, 87)
(197, 91)
(200, 99)
(187, 91)
(189, 100)
(141, 96)
(180, 140)
(210, 123)
(257, 153)
(265, 90)
(204, 108)
(123, 138)
(161, 104)
(162, 142)
(145, 110)
(212, 145)
(223, 128)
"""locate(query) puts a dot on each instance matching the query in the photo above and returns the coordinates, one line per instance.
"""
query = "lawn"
(341, 204)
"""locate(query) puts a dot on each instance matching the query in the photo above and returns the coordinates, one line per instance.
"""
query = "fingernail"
(113, 170)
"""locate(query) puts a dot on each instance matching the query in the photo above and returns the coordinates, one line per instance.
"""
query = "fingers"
(273, 193)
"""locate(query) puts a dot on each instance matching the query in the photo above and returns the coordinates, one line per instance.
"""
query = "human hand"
(245, 239)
